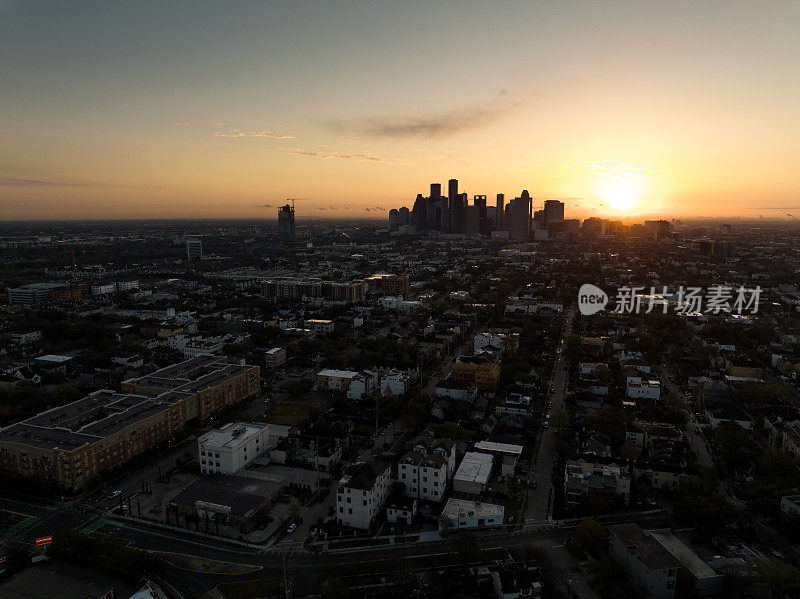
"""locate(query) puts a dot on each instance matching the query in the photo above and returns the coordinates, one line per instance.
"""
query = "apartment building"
(476, 370)
(67, 446)
(285, 288)
(651, 567)
(320, 327)
(423, 477)
(361, 494)
(228, 449)
(275, 357)
(335, 380)
(388, 284)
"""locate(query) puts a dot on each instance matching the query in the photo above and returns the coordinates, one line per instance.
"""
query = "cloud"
(238, 133)
(337, 155)
(181, 124)
(37, 183)
(437, 125)
(267, 206)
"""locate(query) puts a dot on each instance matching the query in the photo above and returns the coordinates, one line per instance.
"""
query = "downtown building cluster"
(452, 213)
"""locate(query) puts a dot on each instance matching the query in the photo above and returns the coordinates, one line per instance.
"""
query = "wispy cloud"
(37, 183)
(181, 124)
(436, 125)
(238, 133)
(336, 155)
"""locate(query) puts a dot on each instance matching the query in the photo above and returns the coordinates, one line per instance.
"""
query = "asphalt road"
(540, 500)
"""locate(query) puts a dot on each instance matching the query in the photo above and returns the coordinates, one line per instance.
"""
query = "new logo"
(591, 299)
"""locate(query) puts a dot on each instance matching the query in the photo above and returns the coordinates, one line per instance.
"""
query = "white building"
(232, 447)
(104, 288)
(473, 474)
(464, 513)
(362, 385)
(275, 357)
(423, 476)
(320, 327)
(361, 494)
(394, 383)
(401, 510)
(426, 444)
(637, 388)
(509, 453)
(335, 380)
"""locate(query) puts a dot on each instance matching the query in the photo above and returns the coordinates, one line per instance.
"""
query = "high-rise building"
(194, 249)
(286, 223)
(553, 210)
(405, 216)
(498, 219)
(657, 229)
(419, 213)
(483, 218)
(521, 216)
(394, 219)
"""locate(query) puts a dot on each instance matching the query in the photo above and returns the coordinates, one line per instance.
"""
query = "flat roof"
(342, 374)
(232, 434)
(475, 467)
(690, 560)
(506, 448)
(462, 508)
(650, 553)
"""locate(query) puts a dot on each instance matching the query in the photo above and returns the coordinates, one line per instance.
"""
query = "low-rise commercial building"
(229, 449)
(465, 513)
(473, 473)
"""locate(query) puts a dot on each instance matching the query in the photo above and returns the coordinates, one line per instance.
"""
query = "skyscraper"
(501, 207)
(521, 216)
(286, 223)
(483, 220)
(553, 210)
(419, 213)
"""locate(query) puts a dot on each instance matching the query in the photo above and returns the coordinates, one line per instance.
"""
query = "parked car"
(291, 529)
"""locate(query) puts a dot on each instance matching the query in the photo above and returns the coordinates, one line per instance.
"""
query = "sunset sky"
(224, 109)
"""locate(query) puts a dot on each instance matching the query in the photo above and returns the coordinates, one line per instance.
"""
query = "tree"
(560, 420)
(609, 578)
(734, 442)
(592, 537)
(779, 575)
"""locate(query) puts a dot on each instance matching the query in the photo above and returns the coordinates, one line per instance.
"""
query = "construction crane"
(293, 200)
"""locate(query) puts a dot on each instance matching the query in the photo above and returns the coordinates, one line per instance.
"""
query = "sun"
(621, 194)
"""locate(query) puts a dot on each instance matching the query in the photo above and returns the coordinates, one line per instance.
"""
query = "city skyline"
(199, 110)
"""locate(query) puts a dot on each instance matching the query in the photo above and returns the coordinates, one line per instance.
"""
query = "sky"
(225, 109)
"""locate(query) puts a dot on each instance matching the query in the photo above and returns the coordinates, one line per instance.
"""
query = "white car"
(292, 528)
